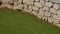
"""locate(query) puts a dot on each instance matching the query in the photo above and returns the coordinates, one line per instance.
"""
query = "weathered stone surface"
(55, 1)
(45, 18)
(46, 8)
(50, 19)
(34, 13)
(30, 8)
(42, 3)
(56, 21)
(10, 7)
(39, 16)
(15, 7)
(46, 0)
(21, 6)
(54, 17)
(47, 13)
(32, 0)
(41, 12)
(48, 4)
(56, 6)
(25, 6)
(52, 10)
(36, 0)
(58, 12)
(35, 8)
(24, 1)
(37, 4)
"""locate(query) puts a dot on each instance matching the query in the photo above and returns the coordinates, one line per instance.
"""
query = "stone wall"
(48, 10)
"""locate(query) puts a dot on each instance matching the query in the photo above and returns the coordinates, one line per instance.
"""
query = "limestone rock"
(36, 0)
(48, 4)
(47, 13)
(46, 8)
(55, 17)
(41, 12)
(34, 13)
(55, 1)
(56, 21)
(25, 6)
(50, 19)
(42, 3)
(32, 0)
(30, 8)
(46, 0)
(24, 1)
(15, 7)
(52, 10)
(45, 18)
(21, 6)
(39, 16)
(35, 8)
(56, 6)
(37, 4)
(58, 12)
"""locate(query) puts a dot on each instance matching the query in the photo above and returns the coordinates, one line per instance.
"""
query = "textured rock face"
(55, 1)
(48, 10)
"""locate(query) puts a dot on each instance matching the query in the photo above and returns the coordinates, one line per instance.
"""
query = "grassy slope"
(15, 22)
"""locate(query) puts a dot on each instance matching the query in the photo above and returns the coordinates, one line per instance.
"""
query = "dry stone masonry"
(48, 10)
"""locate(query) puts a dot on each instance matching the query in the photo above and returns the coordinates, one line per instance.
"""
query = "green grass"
(17, 22)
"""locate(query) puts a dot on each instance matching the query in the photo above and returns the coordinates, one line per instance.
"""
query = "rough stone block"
(34, 13)
(56, 6)
(48, 4)
(21, 6)
(42, 3)
(46, 0)
(30, 8)
(55, 1)
(36, 0)
(54, 17)
(50, 19)
(46, 8)
(56, 21)
(39, 16)
(58, 12)
(52, 10)
(41, 12)
(32, 0)
(45, 18)
(47, 13)
(25, 6)
(35, 8)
